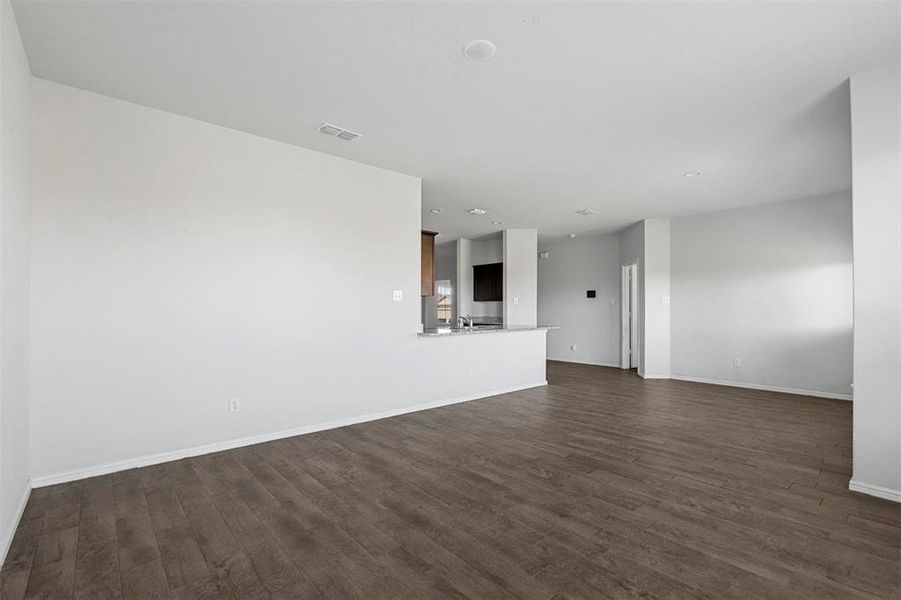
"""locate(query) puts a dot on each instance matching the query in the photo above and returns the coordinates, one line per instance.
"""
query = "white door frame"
(629, 337)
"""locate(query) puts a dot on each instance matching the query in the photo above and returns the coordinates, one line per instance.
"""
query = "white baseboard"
(875, 490)
(584, 362)
(153, 459)
(766, 388)
(653, 376)
(7, 540)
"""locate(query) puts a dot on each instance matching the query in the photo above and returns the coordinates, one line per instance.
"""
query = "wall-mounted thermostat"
(591, 294)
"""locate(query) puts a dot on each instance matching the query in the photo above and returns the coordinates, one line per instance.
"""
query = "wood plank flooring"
(601, 485)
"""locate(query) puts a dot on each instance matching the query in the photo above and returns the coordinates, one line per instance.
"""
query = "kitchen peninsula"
(451, 331)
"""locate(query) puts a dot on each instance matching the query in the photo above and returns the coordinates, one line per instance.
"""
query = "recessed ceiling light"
(437, 210)
(479, 50)
(692, 174)
(477, 211)
(571, 236)
(497, 222)
(587, 212)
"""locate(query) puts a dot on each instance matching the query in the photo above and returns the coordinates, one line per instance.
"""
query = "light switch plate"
(515, 299)
(398, 296)
(665, 299)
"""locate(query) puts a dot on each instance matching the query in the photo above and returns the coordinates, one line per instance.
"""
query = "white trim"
(584, 362)
(766, 388)
(875, 490)
(653, 376)
(153, 459)
(11, 530)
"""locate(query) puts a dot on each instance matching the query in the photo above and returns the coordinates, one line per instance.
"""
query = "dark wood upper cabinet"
(488, 282)
(428, 263)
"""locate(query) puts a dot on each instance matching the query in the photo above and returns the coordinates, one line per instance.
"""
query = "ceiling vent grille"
(338, 132)
(587, 212)
(348, 136)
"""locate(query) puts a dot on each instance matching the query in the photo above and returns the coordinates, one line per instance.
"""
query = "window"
(445, 294)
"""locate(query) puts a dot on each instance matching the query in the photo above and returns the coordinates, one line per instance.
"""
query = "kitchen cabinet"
(488, 282)
(428, 263)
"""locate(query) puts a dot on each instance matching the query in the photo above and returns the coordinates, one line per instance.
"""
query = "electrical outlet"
(234, 405)
(736, 362)
(397, 295)
(515, 299)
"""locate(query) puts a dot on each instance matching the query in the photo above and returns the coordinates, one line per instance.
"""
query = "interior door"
(630, 338)
(633, 316)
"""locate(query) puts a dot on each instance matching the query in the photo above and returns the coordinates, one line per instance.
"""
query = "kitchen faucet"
(461, 321)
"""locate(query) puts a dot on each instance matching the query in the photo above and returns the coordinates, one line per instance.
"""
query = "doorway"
(631, 352)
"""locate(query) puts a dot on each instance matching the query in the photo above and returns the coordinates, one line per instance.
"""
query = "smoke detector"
(338, 132)
(479, 50)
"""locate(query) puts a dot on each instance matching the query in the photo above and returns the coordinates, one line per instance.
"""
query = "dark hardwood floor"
(601, 485)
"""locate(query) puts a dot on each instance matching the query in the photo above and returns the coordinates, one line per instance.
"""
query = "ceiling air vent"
(587, 212)
(338, 132)
(348, 136)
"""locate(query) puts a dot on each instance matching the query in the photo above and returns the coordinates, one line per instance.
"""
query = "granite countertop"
(447, 330)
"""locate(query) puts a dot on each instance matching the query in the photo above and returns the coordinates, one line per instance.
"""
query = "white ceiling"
(600, 105)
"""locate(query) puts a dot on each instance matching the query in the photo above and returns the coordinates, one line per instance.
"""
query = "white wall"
(15, 93)
(520, 276)
(876, 169)
(770, 285)
(593, 324)
(178, 264)
(655, 292)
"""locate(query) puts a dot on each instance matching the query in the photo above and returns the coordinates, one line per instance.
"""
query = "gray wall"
(520, 277)
(15, 209)
(470, 253)
(654, 275)
(770, 285)
(171, 270)
(486, 252)
(875, 134)
(591, 324)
